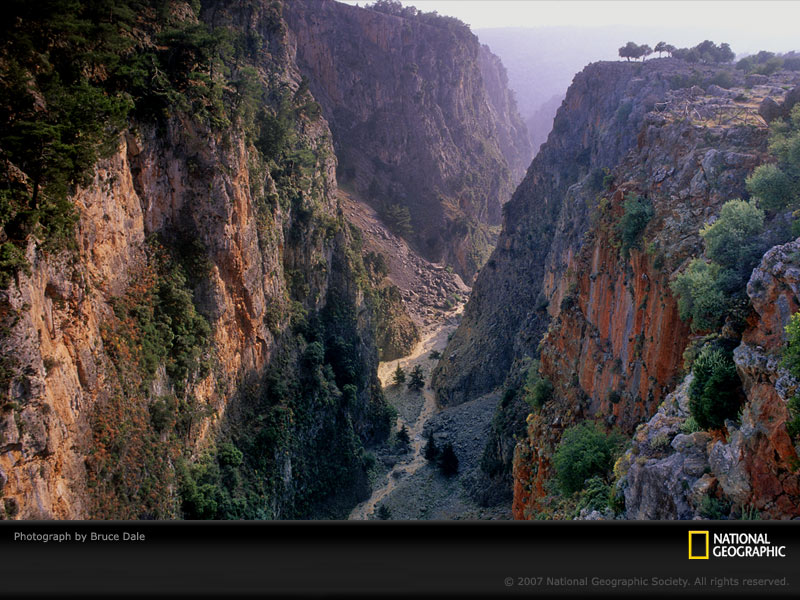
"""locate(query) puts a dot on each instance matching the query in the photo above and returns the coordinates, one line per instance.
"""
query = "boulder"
(769, 109)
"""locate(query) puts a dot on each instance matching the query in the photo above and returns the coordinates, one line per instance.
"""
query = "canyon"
(205, 322)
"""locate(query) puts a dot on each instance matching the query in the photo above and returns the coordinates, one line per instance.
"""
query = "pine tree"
(399, 375)
(383, 513)
(417, 379)
(430, 451)
(448, 462)
(403, 438)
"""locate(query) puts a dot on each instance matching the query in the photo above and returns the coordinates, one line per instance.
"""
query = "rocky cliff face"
(600, 315)
(422, 121)
(670, 473)
(211, 328)
(506, 315)
(613, 349)
(512, 134)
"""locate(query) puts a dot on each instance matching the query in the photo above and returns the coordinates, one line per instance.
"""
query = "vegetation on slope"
(72, 75)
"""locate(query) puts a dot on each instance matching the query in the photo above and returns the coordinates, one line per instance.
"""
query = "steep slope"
(506, 315)
(421, 135)
(511, 129)
(209, 336)
(674, 473)
(575, 286)
(616, 344)
(540, 122)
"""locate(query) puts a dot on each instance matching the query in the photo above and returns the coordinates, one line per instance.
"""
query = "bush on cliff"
(538, 389)
(714, 394)
(638, 212)
(706, 290)
(585, 451)
(777, 186)
(771, 186)
(699, 295)
(733, 242)
(791, 353)
(791, 362)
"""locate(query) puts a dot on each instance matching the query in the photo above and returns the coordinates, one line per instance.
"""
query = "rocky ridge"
(614, 359)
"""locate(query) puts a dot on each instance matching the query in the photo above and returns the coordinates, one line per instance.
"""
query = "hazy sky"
(747, 25)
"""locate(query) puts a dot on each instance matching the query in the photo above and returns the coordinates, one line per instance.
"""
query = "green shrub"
(699, 295)
(731, 240)
(596, 179)
(399, 376)
(198, 489)
(793, 422)
(771, 186)
(430, 451)
(714, 394)
(690, 426)
(596, 495)
(398, 218)
(638, 212)
(403, 438)
(623, 112)
(162, 413)
(791, 362)
(777, 186)
(723, 79)
(12, 260)
(314, 354)
(585, 451)
(537, 390)
(228, 454)
(714, 508)
(791, 64)
(448, 461)
(791, 352)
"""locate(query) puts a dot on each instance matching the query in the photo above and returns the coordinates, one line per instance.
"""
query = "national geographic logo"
(732, 545)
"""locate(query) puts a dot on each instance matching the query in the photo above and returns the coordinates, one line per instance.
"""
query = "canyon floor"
(403, 480)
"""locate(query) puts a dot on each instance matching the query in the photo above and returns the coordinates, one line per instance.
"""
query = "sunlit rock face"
(421, 117)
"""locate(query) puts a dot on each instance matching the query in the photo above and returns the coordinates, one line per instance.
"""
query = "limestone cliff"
(506, 315)
(671, 473)
(621, 361)
(211, 331)
(423, 124)
(563, 286)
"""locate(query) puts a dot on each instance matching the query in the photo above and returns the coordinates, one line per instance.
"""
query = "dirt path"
(412, 414)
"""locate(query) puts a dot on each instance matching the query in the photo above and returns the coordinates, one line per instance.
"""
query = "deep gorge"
(227, 225)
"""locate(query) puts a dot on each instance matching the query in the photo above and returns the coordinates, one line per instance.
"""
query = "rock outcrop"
(506, 316)
(422, 121)
(753, 468)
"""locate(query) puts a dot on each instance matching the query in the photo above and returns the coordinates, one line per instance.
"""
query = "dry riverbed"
(409, 486)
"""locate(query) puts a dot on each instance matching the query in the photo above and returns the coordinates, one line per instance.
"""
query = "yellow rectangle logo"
(698, 545)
